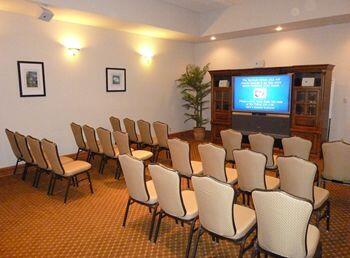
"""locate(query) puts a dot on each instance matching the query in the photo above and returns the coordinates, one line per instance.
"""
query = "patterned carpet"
(89, 225)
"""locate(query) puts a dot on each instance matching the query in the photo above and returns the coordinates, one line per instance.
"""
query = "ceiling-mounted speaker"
(46, 15)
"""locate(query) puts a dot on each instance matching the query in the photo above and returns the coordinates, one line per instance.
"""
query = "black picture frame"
(121, 82)
(21, 90)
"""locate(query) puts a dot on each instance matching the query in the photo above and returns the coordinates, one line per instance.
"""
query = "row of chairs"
(277, 215)
(44, 156)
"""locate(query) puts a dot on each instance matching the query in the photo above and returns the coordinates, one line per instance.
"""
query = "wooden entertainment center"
(309, 117)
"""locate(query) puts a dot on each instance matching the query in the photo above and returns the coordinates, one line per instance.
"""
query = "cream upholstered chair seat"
(244, 218)
(312, 240)
(197, 167)
(76, 167)
(189, 199)
(321, 195)
(232, 176)
(272, 183)
(63, 159)
(142, 154)
(152, 192)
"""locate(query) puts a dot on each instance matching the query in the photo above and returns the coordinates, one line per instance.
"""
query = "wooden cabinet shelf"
(309, 104)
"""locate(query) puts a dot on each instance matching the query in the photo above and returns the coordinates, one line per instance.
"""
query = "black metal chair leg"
(53, 184)
(154, 214)
(90, 183)
(67, 189)
(200, 231)
(38, 179)
(188, 183)
(35, 177)
(241, 249)
(189, 241)
(158, 226)
(25, 171)
(126, 211)
(102, 165)
(88, 158)
(328, 214)
(50, 184)
(16, 166)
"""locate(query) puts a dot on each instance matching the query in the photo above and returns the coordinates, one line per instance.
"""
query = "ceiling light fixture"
(212, 38)
(278, 28)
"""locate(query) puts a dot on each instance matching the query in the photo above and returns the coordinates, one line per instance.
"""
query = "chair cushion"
(232, 176)
(244, 218)
(152, 192)
(75, 167)
(190, 203)
(196, 167)
(65, 160)
(321, 195)
(312, 239)
(142, 154)
(272, 183)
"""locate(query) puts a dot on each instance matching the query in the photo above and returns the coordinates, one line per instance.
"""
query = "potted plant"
(193, 92)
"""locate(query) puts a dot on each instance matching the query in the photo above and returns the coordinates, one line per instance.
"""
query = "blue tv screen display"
(262, 94)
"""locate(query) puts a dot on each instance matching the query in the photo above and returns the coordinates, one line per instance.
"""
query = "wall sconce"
(73, 51)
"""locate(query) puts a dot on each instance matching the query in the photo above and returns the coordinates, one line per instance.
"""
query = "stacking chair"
(79, 139)
(122, 141)
(27, 156)
(231, 140)
(213, 160)
(251, 173)
(43, 166)
(110, 151)
(336, 159)
(147, 140)
(95, 147)
(219, 215)
(162, 133)
(297, 146)
(69, 171)
(130, 129)
(264, 144)
(283, 228)
(297, 177)
(140, 191)
(14, 146)
(181, 159)
(173, 202)
(115, 122)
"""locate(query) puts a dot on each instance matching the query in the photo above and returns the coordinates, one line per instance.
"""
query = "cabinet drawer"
(305, 121)
(222, 117)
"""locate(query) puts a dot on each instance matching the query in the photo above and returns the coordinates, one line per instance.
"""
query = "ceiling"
(202, 5)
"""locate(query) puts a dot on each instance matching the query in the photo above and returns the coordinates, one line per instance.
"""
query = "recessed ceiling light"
(278, 28)
(212, 38)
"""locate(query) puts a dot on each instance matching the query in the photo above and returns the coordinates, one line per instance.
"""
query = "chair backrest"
(162, 133)
(264, 144)
(13, 143)
(297, 176)
(168, 187)
(130, 128)
(180, 156)
(23, 147)
(105, 137)
(297, 146)
(51, 152)
(145, 131)
(122, 141)
(336, 159)
(115, 122)
(37, 152)
(215, 205)
(91, 139)
(78, 135)
(282, 222)
(231, 140)
(134, 174)
(213, 161)
(250, 169)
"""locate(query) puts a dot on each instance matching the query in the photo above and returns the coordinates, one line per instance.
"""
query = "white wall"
(76, 86)
(329, 44)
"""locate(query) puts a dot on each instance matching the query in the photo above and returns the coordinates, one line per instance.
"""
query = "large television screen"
(262, 93)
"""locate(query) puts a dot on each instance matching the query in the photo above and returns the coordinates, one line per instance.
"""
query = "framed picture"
(31, 78)
(115, 79)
